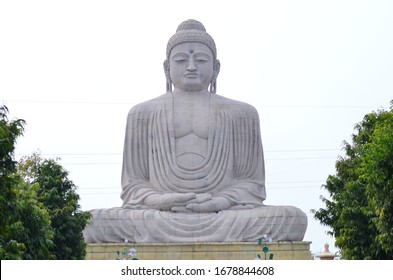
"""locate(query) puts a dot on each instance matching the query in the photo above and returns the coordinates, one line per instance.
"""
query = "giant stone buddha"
(193, 165)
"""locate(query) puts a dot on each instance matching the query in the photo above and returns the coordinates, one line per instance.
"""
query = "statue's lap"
(113, 225)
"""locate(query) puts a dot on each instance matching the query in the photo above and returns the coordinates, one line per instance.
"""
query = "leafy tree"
(40, 217)
(25, 231)
(33, 226)
(377, 173)
(59, 197)
(360, 207)
(9, 132)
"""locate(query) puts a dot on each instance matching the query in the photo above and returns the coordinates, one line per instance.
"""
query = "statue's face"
(191, 66)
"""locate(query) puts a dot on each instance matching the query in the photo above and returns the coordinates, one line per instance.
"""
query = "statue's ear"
(166, 67)
(216, 71)
(216, 68)
(167, 76)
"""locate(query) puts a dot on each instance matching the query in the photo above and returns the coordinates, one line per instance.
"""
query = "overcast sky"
(312, 69)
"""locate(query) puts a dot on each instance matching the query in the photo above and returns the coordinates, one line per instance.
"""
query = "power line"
(98, 193)
(318, 106)
(70, 102)
(301, 150)
(267, 183)
(117, 154)
(268, 159)
(293, 182)
(297, 187)
(73, 154)
(269, 189)
(133, 103)
(91, 163)
(300, 158)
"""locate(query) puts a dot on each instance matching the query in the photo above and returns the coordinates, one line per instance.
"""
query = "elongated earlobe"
(167, 76)
(213, 83)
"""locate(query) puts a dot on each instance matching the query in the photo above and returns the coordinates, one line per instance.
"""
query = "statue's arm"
(135, 172)
(137, 191)
(247, 189)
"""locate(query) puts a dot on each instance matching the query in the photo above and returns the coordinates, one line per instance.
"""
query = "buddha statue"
(193, 165)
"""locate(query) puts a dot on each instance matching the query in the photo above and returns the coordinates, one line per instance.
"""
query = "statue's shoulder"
(149, 106)
(236, 107)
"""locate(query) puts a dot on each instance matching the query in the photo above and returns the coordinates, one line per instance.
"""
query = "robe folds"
(233, 167)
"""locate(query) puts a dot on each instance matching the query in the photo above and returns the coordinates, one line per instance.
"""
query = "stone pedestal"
(202, 251)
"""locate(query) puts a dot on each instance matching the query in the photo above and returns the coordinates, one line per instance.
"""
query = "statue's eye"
(201, 58)
(180, 58)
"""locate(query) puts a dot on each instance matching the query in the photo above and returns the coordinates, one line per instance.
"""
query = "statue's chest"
(191, 118)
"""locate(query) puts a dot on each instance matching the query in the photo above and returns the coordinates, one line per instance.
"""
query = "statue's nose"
(191, 65)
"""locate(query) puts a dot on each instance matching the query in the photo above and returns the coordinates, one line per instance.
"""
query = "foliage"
(9, 132)
(25, 231)
(58, 195)
(360, 207)
(33, 227)
(40, 217)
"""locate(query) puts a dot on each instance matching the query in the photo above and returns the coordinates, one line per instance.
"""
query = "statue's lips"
(191, 75)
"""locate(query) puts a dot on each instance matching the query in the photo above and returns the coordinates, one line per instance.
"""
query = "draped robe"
(233, 168)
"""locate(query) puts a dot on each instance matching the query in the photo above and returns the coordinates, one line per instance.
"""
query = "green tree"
(33, 226)
(9, 132)
(359, 210)
(25, 231)
(59, 197)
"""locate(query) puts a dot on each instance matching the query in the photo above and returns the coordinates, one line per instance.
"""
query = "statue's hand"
(167, 201)
(200, 198)
(213, 205)
(171, 200)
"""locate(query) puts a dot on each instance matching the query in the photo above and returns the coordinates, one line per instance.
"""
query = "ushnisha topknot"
(191, 31)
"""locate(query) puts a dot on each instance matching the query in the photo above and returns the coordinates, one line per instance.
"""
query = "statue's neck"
(182, 93)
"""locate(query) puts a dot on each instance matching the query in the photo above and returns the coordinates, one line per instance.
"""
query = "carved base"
(297, 250)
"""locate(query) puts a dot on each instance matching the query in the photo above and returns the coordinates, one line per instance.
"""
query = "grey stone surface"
(193, 166)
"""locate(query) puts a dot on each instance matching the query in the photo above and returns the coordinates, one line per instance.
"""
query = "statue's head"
(194, 33)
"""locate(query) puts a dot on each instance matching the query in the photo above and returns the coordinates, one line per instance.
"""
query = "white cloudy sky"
(73, 69)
